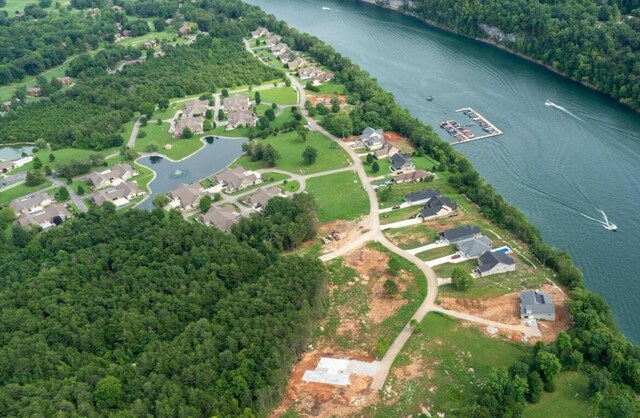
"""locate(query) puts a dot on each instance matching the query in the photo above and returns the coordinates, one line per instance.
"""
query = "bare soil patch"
(326, 99)
(311, 399)
(347, 230)
(383, 306)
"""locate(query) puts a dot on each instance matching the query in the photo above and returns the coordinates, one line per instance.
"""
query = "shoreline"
(500, 46)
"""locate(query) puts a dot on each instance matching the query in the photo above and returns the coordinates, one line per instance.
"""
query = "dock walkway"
(479, 118)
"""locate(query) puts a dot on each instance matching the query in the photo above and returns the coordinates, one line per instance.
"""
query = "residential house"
(150, 44)
(126, 33)
(240, 118)
(535, 304)
(460, 233)
(235, 103)
(259, 199)
(307, 73)
(238, 178)
(279, 49)
(286, 56)
(92, 11)
(438, 207)
(272, 41)
(117, 9)
(474, 247)
(295, 63)
(159, 54)
(260, 32)
(322, 78)
(119, 195)
(6, 105)
(30, 204)
(194, 123)
(46, 218)
(34, 91)
(186, 196)
(169, 22)
(195, 108)
(6, 166)
(412, 177)
(184, 30)
(494, 262)
(117, 174)
(401, 164)
(222, 218)
(421, 197)
(373, 139)
(65, 81)
(387, 150)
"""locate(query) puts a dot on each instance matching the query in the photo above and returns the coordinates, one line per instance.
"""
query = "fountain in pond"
(178, 173)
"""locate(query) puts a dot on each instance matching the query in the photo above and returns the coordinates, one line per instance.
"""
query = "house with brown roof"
(126, 33)
(237, 178)
(387, 150)
(259, 32)
(34, 91)
(280, 48)
(259, 199)
(184, 30)
(195, 108)
(195, 125)
(92, 11)
(65, 81)
(412, 177)
(222, 218)
(117, 174)
(150, 44)
(159, 54)
(235, 103)
(46, 218)
(322, 78)
(307, 73)
(286, 56)
(119, 195)
(296, 63)
(240, 118)
(30, 204)
(6, 105)
(186, 196)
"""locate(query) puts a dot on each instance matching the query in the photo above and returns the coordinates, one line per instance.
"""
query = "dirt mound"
(367, 261)
(311, 399)
(346, 230)
(392, 137)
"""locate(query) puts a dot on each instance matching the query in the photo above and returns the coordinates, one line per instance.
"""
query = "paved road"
(77, 200)
(134, 134)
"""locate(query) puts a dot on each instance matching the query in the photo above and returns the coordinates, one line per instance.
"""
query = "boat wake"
(326, 8)
(551, 104)
(604, 221)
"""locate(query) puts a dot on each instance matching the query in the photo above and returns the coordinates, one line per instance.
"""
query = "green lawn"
(139, 40)
(283, 96)
(234, 133)
(290, 148)
(411, 236)
(437, 252)
(291, 186)
(159, 135)
(563, 402)
(145, 176)
(444, 270)
(339, 196)
(452, 360)
(399, 214)
(182, 148)
(21, 190)
(63, 156)
(332, 88)
(18, 5)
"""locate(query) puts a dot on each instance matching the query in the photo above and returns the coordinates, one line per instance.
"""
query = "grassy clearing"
(452, 360)
(14, 6)
(444, 270)
(284, 96)
(331, 193)
(182, 148)
(234, 133)
(64, 156)
(21, 190)
(291, 186)
(332, 88)
(145, 176)
(399, 215)
(160, 36)
(290, 149)
(563, 402)
(411, 236)
(437, 252)
(156, 134)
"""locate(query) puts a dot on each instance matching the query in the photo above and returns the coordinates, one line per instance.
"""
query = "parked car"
(455, 256)
(396, 207)
(529, 322)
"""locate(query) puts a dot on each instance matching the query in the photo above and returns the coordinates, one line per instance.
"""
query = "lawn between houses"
(338, 196)
(283, 96)
(6, 196)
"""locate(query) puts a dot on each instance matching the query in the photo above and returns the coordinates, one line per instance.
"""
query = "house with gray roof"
(438, 207)
(295, 63)
(286, 56)
(32, 203)
(240, 118)
(474, 247)
(119, 195)
(272, 41)
(46, 218)
(373, 139)
(259, 199)
(195, 108)
(259, 32)
(281, 48)
(117, 174)
(235, 103)
(186, 196)
(459, 234)
(322, 78)
(194, 123)
(401, 164)
(307, 73)
(494, 262)
(222, 218)
(421, 197)
(535, 304)
(238, 178)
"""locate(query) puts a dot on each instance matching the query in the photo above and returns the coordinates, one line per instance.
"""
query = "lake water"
(208, 160)
(553, 164)
(14, 152)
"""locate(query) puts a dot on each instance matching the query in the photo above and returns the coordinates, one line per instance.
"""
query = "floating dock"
(463, 135)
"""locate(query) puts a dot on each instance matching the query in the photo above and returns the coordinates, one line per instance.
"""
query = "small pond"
(14, 152)
(211, 158)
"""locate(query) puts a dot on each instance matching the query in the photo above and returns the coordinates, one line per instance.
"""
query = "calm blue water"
(208, 160)
(553, 163)
(14, 153)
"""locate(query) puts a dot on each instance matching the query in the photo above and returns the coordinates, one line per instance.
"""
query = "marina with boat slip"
(464, 134)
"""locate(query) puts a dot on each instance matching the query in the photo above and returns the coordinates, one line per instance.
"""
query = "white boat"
(326, 8)
(548, 102)
(607, 224)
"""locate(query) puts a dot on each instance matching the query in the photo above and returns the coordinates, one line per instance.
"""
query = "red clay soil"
(392, 137)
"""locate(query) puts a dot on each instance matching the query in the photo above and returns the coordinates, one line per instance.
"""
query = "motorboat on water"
(326, 8)
(548, 102)
(430, 98)
(607, 224)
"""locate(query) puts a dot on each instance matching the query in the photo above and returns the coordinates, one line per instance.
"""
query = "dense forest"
(591, 41)
(140, 314)
(100, 103)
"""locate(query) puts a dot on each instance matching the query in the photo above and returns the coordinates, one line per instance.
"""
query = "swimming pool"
(504, 249)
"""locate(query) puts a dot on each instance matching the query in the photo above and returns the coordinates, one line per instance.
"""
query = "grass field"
(411, 236)
(291, 186)
(284, 96)
(159, 135)
(437, 252)
(563, 403)
(21, 190)
(290, 149)
(234, 133)
(63, 156)
(339, 196)
(161, 36)
(331, 88)
(18, 5)
(145, 176)
(452, 360)
(444, 270)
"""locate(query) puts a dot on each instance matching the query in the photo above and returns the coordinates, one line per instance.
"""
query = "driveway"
(427, 247)
(402, 224)
(446, 259)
